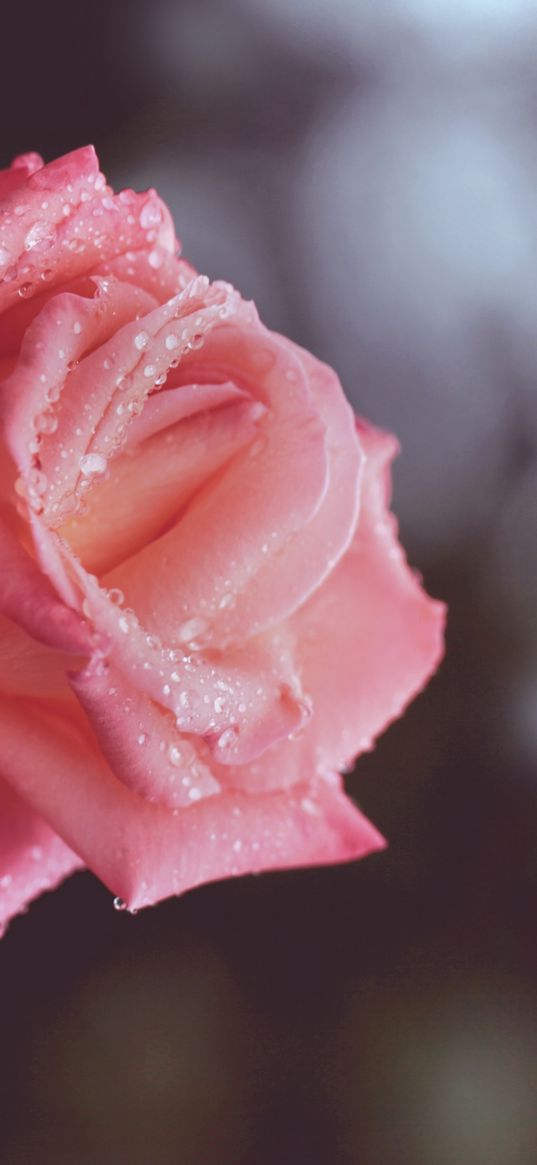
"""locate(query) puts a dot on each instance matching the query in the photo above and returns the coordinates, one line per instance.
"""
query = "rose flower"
(204, 611)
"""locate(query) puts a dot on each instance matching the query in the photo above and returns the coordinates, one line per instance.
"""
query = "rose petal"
(241, 702)
(365, 643)
(149, 486)
(264, 496)
(29, 600)
(39, 400)
(32, 857)
(145, 852)
(140, 741)
(28, 667)
(64, 220)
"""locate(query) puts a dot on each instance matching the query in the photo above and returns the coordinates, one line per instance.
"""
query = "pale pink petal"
(140, 740)
(64, 220)
(67, 412)
(290, 573)
(176, 404)
(148, 487)
(39, 402)
(370, 638)
(32, 857)
(364, 644)
(263, 498)
(145, 852)
(29, 600)
(28, 667)
(240, 702)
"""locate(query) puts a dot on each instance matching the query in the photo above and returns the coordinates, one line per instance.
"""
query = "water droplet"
(141, 340)
(175, 755)
(4, 257)
(116, 596)
(25, 290)
(92, 463)
(150, 215)
(150, 370)
(155, 260)
(194, 794)
(171, 341)
(196, 340)
(142, 738)
(77, 327)
(119, 904)
(46, 423)
(228, 738)
(124, 625)
(41, 235)
(38, 481)
(191, 629)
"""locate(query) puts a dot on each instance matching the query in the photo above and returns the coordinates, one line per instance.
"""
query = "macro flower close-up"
(206, 614)
(268, 565)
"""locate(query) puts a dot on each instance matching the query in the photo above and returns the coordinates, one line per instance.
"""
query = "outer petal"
(145, 852)
(364, 644)
(64, 220)
(370, 638)
(32, 857)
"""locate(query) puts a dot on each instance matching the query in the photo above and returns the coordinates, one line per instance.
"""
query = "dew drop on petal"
(92, 463)
(116, 596)
(150, 215)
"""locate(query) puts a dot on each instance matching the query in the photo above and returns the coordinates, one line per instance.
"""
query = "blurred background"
(367, 171)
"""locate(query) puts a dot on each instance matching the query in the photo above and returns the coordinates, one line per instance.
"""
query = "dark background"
(367, 171)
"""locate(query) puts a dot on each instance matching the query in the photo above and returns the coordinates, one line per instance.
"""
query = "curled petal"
(148, 487)
(29, 600)
(140, 740)
(64, 220)
(232, 528)
(145, 852)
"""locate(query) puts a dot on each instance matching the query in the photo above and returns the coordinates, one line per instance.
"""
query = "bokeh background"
(367, 171)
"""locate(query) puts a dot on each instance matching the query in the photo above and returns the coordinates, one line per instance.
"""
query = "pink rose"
(205, 612)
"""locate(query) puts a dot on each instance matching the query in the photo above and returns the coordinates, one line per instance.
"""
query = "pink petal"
(240, 702)
(39, 401)
(164, 409)
(32, 857)
(29, 600)
(149, 486)
(145, 852)
(364, 644)
(140, 740)
(370, 638)
(263, 498)
(29, 668)
(64, 220)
